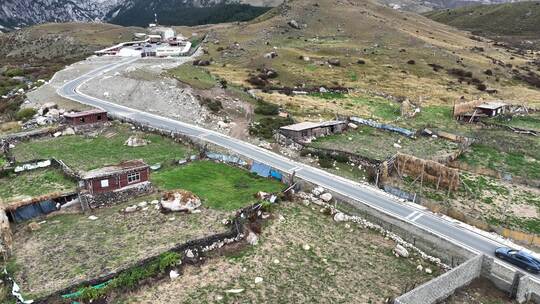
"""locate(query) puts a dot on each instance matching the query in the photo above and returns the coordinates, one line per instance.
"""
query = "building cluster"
(158, 42)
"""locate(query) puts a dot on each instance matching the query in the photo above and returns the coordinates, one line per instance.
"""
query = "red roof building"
(116, 177)
(86, 117)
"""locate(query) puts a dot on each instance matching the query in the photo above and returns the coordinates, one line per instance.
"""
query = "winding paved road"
(363, 194)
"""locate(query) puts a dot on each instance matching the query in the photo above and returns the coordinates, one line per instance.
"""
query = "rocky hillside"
(515, 23)
(21, 13)
(369, 47)
(430, 5)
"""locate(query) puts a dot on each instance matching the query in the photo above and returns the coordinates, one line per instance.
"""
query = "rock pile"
(136, 141)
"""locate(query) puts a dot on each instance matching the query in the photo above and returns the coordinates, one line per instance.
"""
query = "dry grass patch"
(70, 247)
(342, 264)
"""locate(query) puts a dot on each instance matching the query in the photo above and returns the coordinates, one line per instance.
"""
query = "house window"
(99, 117)
(133, 177)
(81, 119)
(104, 183)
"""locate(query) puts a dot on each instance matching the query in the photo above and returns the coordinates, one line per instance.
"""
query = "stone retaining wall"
(121, 195)
(445, 285)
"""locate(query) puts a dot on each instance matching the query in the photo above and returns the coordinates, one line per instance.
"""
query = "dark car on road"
(519, 258)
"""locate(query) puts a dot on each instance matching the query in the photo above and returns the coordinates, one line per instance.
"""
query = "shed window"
(81, 119)
(99, 117)
(104, 183)
(134, 177)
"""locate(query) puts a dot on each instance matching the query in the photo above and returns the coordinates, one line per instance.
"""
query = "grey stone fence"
(445, 285)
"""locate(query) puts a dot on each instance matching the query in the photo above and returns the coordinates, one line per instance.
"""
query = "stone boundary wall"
(196, 247)
(528, 290)
(449, 253)
(444, 285)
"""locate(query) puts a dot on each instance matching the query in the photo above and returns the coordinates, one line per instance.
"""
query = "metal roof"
(306, 125)
(115, 169)
(492, 105)
(84, 113)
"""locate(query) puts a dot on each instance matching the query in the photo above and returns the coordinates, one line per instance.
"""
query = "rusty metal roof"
(84, 113)
(122, 167)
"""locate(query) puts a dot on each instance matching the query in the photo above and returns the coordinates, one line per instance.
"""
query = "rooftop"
(311, 125)
(84, 113)
(492, 105)
(115, 169)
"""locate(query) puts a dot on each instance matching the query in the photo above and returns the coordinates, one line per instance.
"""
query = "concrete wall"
(528, 290)
(445, 285)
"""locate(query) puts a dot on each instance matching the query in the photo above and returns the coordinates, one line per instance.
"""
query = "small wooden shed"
(86, 117)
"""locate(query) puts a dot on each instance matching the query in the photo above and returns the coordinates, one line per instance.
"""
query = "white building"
(166, 33)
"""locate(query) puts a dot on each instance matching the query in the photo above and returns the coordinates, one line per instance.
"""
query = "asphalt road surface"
(363, 194)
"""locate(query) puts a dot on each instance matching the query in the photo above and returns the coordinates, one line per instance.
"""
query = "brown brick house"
(86, 117)
(116, 177)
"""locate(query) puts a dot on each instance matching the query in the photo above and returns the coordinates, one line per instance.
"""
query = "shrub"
(266, 126)
(326, 162)
(488, 72)
(14, 72)
(214, 105)
(266, 108)
(25, 114)
(411, 62)
(481, 87)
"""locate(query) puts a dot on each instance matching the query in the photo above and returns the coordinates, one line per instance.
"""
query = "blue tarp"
(276, 174)
(261, 169)
(30, 211)
(377, 125)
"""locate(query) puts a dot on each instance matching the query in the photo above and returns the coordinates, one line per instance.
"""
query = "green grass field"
(33, 183)
(220, 186)
(86, 153)
(194, 76)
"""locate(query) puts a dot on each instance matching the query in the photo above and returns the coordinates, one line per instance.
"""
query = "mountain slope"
(20, 13)
(512, 22)
(430, 5)
(376, 49)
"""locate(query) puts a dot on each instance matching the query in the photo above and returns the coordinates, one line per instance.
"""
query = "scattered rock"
(401, 251)
(190, 254)
(276, 261)
(326, 197)
(334, 62)
(317, 191)
(270, 55)
(34, 226)
(294, 24)
(236, 290)
(142, 204)
(252, 239)
(57, 134)
(130, 209)
(352, 126)
(419, 268)
(427, 270)
(306, 247)
(258, 280)
(173, 274)
(68, 131)
(92, 217)
(396, 145)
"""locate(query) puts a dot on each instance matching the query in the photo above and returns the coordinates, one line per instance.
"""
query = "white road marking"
(411, 215)
(417, 217)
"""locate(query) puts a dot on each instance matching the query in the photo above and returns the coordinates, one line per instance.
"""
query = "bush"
(266, 126)
(14, 72)
(481, 87)
(25, 114)
(411, 62)
(326, 162)
(214, 105)
(266, 108)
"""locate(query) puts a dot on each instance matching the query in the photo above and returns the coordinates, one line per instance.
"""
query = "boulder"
(57, 134)
(130, 209)
(34, 226)
(340, 217)
(252, 239)
(294, 24)
(173, 274)
(92, 217)
(306, 247)
(190, 254)
(401, 251)
(258, 280)
(317, 191)
(326, 197)
(180, 200)
(352, 126)
(41, 120)
(419, 268)
(270, 55)
(68, 131)
(334, 62)
(136, 141)
(428, 271)
(142, 204)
